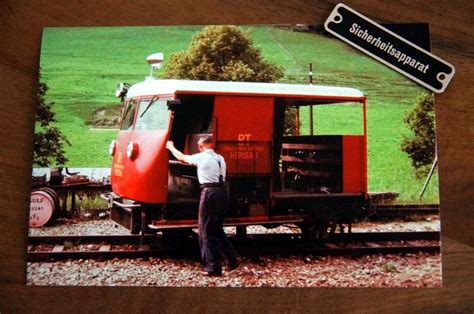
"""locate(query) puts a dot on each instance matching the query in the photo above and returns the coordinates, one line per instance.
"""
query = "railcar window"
(333, 119)
(154, 116)
(127, 121)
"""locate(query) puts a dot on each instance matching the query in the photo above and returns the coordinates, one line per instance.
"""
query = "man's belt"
(212, 185)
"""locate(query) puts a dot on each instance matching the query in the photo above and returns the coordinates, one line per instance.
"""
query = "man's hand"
(176, 153)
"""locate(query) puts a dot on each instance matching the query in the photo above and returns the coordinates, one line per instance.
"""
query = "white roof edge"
(159, 87)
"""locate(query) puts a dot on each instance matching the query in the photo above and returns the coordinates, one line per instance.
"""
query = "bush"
(421, 145)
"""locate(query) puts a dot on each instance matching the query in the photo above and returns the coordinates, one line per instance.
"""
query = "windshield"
(152, 116)
(127, 120)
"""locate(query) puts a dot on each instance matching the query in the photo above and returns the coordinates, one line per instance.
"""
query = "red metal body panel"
(366, 169)
(145, 177)
(243, 131)
(354, 169)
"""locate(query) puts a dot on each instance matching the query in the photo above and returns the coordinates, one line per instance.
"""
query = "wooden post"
(310, 77)
(430, 174)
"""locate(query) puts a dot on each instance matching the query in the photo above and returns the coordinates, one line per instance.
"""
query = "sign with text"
(389, 48)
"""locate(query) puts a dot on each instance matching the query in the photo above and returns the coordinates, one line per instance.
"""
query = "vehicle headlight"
(112, 148)
(132, 150)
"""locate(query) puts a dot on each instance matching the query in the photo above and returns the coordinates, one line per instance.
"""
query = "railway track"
(55, 248)
(401, 210)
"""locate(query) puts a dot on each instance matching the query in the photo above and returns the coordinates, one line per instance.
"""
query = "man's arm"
(176, 153)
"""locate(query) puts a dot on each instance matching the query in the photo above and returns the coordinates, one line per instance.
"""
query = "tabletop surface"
(451, 26)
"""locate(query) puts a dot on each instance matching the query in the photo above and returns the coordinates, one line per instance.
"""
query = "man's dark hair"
(206, 139)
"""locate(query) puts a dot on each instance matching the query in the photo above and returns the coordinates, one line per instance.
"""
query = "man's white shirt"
(208, 166)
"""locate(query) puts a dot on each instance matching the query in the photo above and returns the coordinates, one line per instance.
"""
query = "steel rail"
(253, 245)
(89, 239)
(401, 210)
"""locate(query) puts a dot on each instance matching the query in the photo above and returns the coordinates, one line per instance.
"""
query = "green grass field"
(82, 66)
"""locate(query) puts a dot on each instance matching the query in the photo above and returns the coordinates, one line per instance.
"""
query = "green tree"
(222, 53)
(225, 53)
(49, 141)
(421, 145)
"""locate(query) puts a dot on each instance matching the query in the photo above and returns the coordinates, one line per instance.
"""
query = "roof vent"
(155, 61)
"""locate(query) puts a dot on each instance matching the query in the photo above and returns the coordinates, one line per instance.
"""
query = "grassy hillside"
(83, 65)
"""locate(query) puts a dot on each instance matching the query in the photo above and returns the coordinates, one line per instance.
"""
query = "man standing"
(211, 170)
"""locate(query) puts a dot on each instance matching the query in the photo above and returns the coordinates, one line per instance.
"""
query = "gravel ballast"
(416, 270)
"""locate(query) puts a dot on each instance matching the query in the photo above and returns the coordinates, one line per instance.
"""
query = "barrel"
(44, 203)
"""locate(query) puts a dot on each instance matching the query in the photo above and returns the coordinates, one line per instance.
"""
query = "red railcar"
(313, 181)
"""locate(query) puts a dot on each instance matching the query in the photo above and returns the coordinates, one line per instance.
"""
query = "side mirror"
(173, 104)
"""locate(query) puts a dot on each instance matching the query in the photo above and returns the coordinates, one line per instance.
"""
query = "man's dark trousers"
(212, 238)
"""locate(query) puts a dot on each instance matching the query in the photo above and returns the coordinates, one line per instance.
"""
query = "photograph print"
(230, 156)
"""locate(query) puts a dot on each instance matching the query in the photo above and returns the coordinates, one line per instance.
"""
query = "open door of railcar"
(192, 119)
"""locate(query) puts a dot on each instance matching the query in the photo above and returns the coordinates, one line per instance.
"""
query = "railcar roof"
(165, 87)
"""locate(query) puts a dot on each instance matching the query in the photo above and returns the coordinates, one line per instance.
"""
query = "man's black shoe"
(214, 273)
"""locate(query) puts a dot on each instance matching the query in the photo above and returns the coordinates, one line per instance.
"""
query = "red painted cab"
(140, 160)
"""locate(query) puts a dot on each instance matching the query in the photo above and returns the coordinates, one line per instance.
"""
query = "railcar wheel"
(312, 231)
(318, 225)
